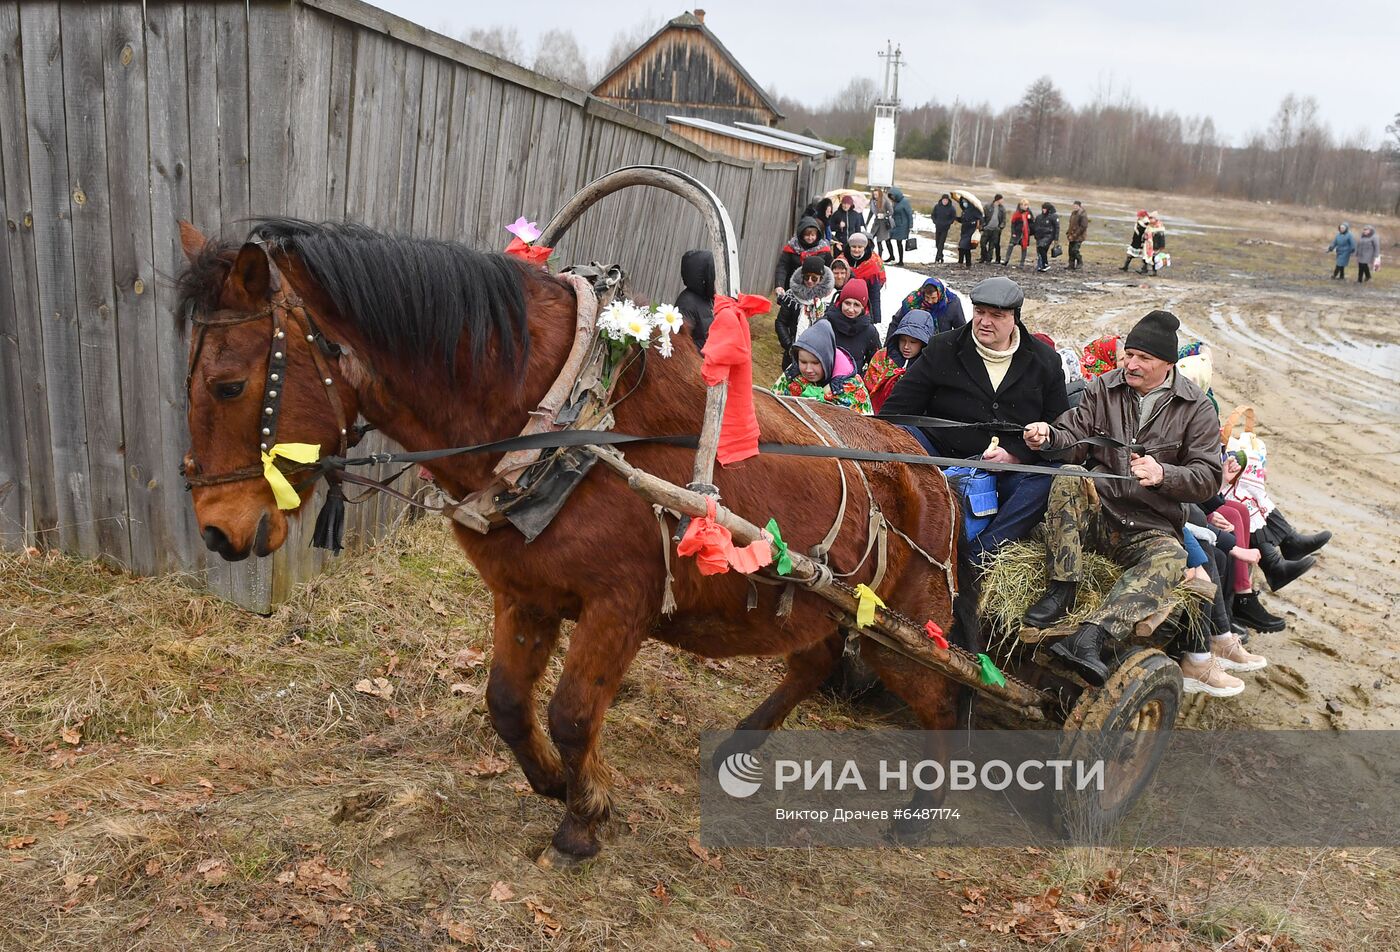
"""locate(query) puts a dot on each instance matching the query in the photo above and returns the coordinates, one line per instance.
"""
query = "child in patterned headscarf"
(1101, 356)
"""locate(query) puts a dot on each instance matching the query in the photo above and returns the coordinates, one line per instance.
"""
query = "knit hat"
(854, 288)
(841, 263)
(1155, 334)
(999, 292)
(813, 265)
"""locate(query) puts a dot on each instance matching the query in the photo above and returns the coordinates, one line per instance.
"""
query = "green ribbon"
(780, 548)
(991, 674)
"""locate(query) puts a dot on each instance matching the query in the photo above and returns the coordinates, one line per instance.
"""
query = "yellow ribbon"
(865, 611)
(282, 490)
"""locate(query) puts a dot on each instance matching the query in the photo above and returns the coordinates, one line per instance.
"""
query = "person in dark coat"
(970, 217)
(992, 227)
(1046, 231)
(844, 223)
(903, 222)
(944, 214)
(697, 301)
(1076, 233)
(802, 303)
(850, 319)
(820, 209)
(808, 242)
(1135, 242)
(990, 370)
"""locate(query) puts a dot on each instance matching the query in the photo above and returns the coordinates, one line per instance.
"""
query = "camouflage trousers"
(1153, 561)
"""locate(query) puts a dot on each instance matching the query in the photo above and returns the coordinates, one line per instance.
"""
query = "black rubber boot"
(1279, 571)
(1056, 603)
(1080, 651)
(1127, 262)
(1248, 611)
(1295, 545)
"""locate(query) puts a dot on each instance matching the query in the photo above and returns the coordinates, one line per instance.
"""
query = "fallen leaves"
(468, 659)
(73, 734)
(378, 687)
(212, 916)
(710, 942)
(711, 860)
(488, 765)
(315, 876)
(213, 871)
(549, 925)
(20, 842)
(501, 892)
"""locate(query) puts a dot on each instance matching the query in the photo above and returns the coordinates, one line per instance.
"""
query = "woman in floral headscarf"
(934, 298)
(1101, 356)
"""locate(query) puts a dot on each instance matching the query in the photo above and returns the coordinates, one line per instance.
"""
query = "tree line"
(1115, 141)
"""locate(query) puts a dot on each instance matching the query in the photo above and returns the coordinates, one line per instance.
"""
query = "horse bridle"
(285, 309)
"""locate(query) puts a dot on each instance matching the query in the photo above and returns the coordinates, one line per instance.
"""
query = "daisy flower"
(669, 318)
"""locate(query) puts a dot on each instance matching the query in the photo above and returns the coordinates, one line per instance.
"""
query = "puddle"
(1380, 360)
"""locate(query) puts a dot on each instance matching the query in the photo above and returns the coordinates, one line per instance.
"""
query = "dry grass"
(1015, 581)
(175, 774)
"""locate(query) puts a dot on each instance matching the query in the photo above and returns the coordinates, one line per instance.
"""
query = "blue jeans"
(1021, 499)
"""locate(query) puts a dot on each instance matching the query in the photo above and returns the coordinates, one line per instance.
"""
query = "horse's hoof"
(555, 859)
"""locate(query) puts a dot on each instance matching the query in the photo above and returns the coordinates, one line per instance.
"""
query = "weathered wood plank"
(457, 148)
(340, 109)
(53, 247)
(35, 493)
(133, 276)
(441, 144)
(408, 109)
(479, 198)
(428, 143)
(309, 114)
(362, 178)
(270, 96)
(231, 89)
(14, 454)
(167, 94)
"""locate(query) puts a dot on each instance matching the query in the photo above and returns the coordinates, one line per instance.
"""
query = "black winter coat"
(1046, 229)
(844, 223)
(970, 219)
(944, 216)
(950, 380)
(697, 302)
(858, 337)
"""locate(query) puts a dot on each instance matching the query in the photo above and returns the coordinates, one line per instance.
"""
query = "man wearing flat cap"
(1173, 457)
(990, 370)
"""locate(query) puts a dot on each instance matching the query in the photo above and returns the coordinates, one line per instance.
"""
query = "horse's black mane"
(409, 296)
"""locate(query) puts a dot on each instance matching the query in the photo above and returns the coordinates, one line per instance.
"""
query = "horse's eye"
(229, 390)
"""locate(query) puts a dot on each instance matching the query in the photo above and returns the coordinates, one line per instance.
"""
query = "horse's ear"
(251, 272)
(192, 240)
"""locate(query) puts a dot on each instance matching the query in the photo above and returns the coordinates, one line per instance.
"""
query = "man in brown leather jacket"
(1075, 234)
(1172, 449)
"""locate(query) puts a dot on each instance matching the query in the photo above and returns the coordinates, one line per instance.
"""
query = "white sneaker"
(1232, 656)
(1208, 677)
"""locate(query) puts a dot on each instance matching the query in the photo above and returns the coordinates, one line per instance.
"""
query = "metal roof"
(792, 137)
(745, 135)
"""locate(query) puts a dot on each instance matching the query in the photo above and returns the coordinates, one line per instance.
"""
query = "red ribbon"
(535, 254)
(935, 634)
(714, 550)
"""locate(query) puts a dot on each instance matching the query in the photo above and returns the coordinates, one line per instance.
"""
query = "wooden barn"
(684, 70)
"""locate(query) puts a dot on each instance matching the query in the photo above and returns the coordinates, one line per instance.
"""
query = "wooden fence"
(118, 119)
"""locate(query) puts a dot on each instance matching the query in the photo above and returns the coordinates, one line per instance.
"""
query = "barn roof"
(792, 137)
(746, 135)
(689, 21)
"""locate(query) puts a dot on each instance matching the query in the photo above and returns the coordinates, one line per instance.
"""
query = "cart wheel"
(1127, 723)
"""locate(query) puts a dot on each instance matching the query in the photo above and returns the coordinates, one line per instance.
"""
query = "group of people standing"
(1367, 249)
(983, 227)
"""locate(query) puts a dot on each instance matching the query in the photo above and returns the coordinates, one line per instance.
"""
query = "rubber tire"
(1146, 677)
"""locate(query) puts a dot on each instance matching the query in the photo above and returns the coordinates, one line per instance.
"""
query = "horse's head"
(260, 378)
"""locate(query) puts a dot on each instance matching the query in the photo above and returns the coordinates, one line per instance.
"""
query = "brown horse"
(441, 346)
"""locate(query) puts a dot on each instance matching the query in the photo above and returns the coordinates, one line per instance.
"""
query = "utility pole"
(881, 161)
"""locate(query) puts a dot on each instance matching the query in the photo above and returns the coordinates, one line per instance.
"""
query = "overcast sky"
(1231, 59)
